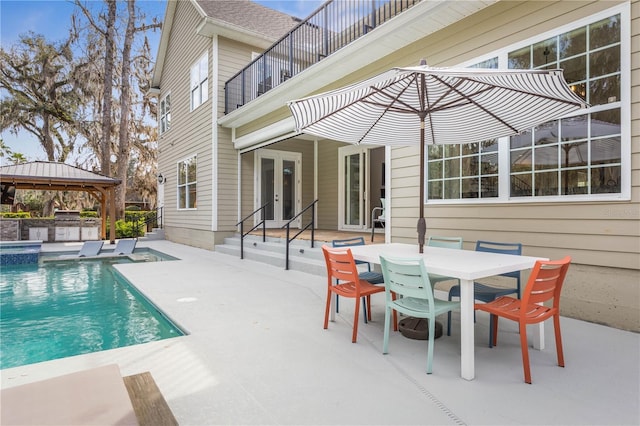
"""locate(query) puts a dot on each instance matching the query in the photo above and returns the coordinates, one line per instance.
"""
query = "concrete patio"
(256, 353)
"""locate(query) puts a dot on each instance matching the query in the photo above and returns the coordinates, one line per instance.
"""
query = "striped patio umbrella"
(425, 105)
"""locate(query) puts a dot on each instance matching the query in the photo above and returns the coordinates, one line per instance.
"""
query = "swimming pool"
(59, 309)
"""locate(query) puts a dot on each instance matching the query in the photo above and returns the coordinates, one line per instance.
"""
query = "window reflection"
(570, 156)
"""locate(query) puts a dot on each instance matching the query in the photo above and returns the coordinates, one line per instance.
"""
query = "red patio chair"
(545, 284)
(343, 280)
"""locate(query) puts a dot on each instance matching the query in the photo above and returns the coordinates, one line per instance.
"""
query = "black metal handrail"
(332, 26)
(140, 222)
(159, 217)
(243, 234)
(311, 224)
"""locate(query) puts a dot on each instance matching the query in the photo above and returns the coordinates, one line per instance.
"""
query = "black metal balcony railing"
(334, 25)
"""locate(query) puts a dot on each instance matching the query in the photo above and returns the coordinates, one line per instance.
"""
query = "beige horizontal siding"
(595, 233)
(328, 184)
(190, 132)
(247, 185)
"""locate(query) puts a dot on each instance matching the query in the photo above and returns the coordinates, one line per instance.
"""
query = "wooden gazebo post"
(112, 214)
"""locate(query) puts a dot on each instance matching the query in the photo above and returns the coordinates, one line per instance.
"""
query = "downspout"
(214, 135)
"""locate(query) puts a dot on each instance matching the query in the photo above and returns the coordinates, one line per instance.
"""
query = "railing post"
(313, 222)
(242, 240)
(286, 258)
(291, 50)
(242, 87)
(373, 14)
(326, 33)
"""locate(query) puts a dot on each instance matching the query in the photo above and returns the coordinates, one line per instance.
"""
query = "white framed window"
(165, 113)
(199, 77)
(580, 154)
(187, 183)
(580, 157)
(466, 170)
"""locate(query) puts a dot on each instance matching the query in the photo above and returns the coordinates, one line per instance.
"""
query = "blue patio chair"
(408, 280)
(368, 275)
(486, 293)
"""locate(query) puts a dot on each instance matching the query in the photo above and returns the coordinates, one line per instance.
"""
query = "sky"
(52, 18)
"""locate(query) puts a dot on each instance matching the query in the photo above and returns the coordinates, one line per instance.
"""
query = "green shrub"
(18, 215)
(133, 224)
(88, 213)
(125, 229)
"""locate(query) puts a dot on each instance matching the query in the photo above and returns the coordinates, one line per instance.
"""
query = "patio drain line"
(431, 397)
(457, 420)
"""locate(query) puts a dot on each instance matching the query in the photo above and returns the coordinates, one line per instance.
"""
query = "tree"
(88, 94)
(123, 79)
(108, 32)
(13, 157)
(42, 92)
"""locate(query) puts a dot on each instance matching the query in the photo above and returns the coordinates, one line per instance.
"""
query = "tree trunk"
(125, 87)
(105, 160)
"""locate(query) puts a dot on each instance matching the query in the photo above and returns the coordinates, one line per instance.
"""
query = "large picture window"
(577, 155)
(572, 158)
(199, 82)
(187, 183)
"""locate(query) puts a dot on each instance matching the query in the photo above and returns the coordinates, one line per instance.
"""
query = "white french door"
(353, 181)
(279, 183)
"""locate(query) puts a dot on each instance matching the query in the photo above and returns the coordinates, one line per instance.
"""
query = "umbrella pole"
(422, 225)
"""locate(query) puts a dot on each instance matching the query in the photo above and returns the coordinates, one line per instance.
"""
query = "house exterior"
(228, 144)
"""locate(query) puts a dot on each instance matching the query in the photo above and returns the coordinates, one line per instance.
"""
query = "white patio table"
(467, 266)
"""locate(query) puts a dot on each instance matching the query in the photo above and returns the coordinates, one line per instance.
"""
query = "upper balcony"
(332, 26)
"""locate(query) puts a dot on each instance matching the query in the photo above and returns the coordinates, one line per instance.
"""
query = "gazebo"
(53, 176)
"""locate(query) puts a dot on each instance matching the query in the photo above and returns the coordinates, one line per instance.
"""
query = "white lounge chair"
(89, 248)
(125, 246)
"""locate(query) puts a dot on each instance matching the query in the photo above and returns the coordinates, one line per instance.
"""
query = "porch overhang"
(425, 18)
(276, 132)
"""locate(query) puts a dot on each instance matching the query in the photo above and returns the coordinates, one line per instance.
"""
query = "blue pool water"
(60, 309)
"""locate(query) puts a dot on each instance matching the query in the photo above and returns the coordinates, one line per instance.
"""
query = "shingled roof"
(251, 16)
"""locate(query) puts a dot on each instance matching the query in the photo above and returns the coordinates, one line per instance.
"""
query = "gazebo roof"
(52, 175)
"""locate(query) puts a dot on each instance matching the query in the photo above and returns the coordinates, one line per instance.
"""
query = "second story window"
(165, 113)
(199, 82)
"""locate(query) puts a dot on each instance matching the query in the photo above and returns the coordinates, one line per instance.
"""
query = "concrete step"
(156, 234)
(302, 257)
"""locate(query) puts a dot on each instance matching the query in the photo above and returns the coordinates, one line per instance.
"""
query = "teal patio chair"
(443, 242)
(486, 293)
(408, 280)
